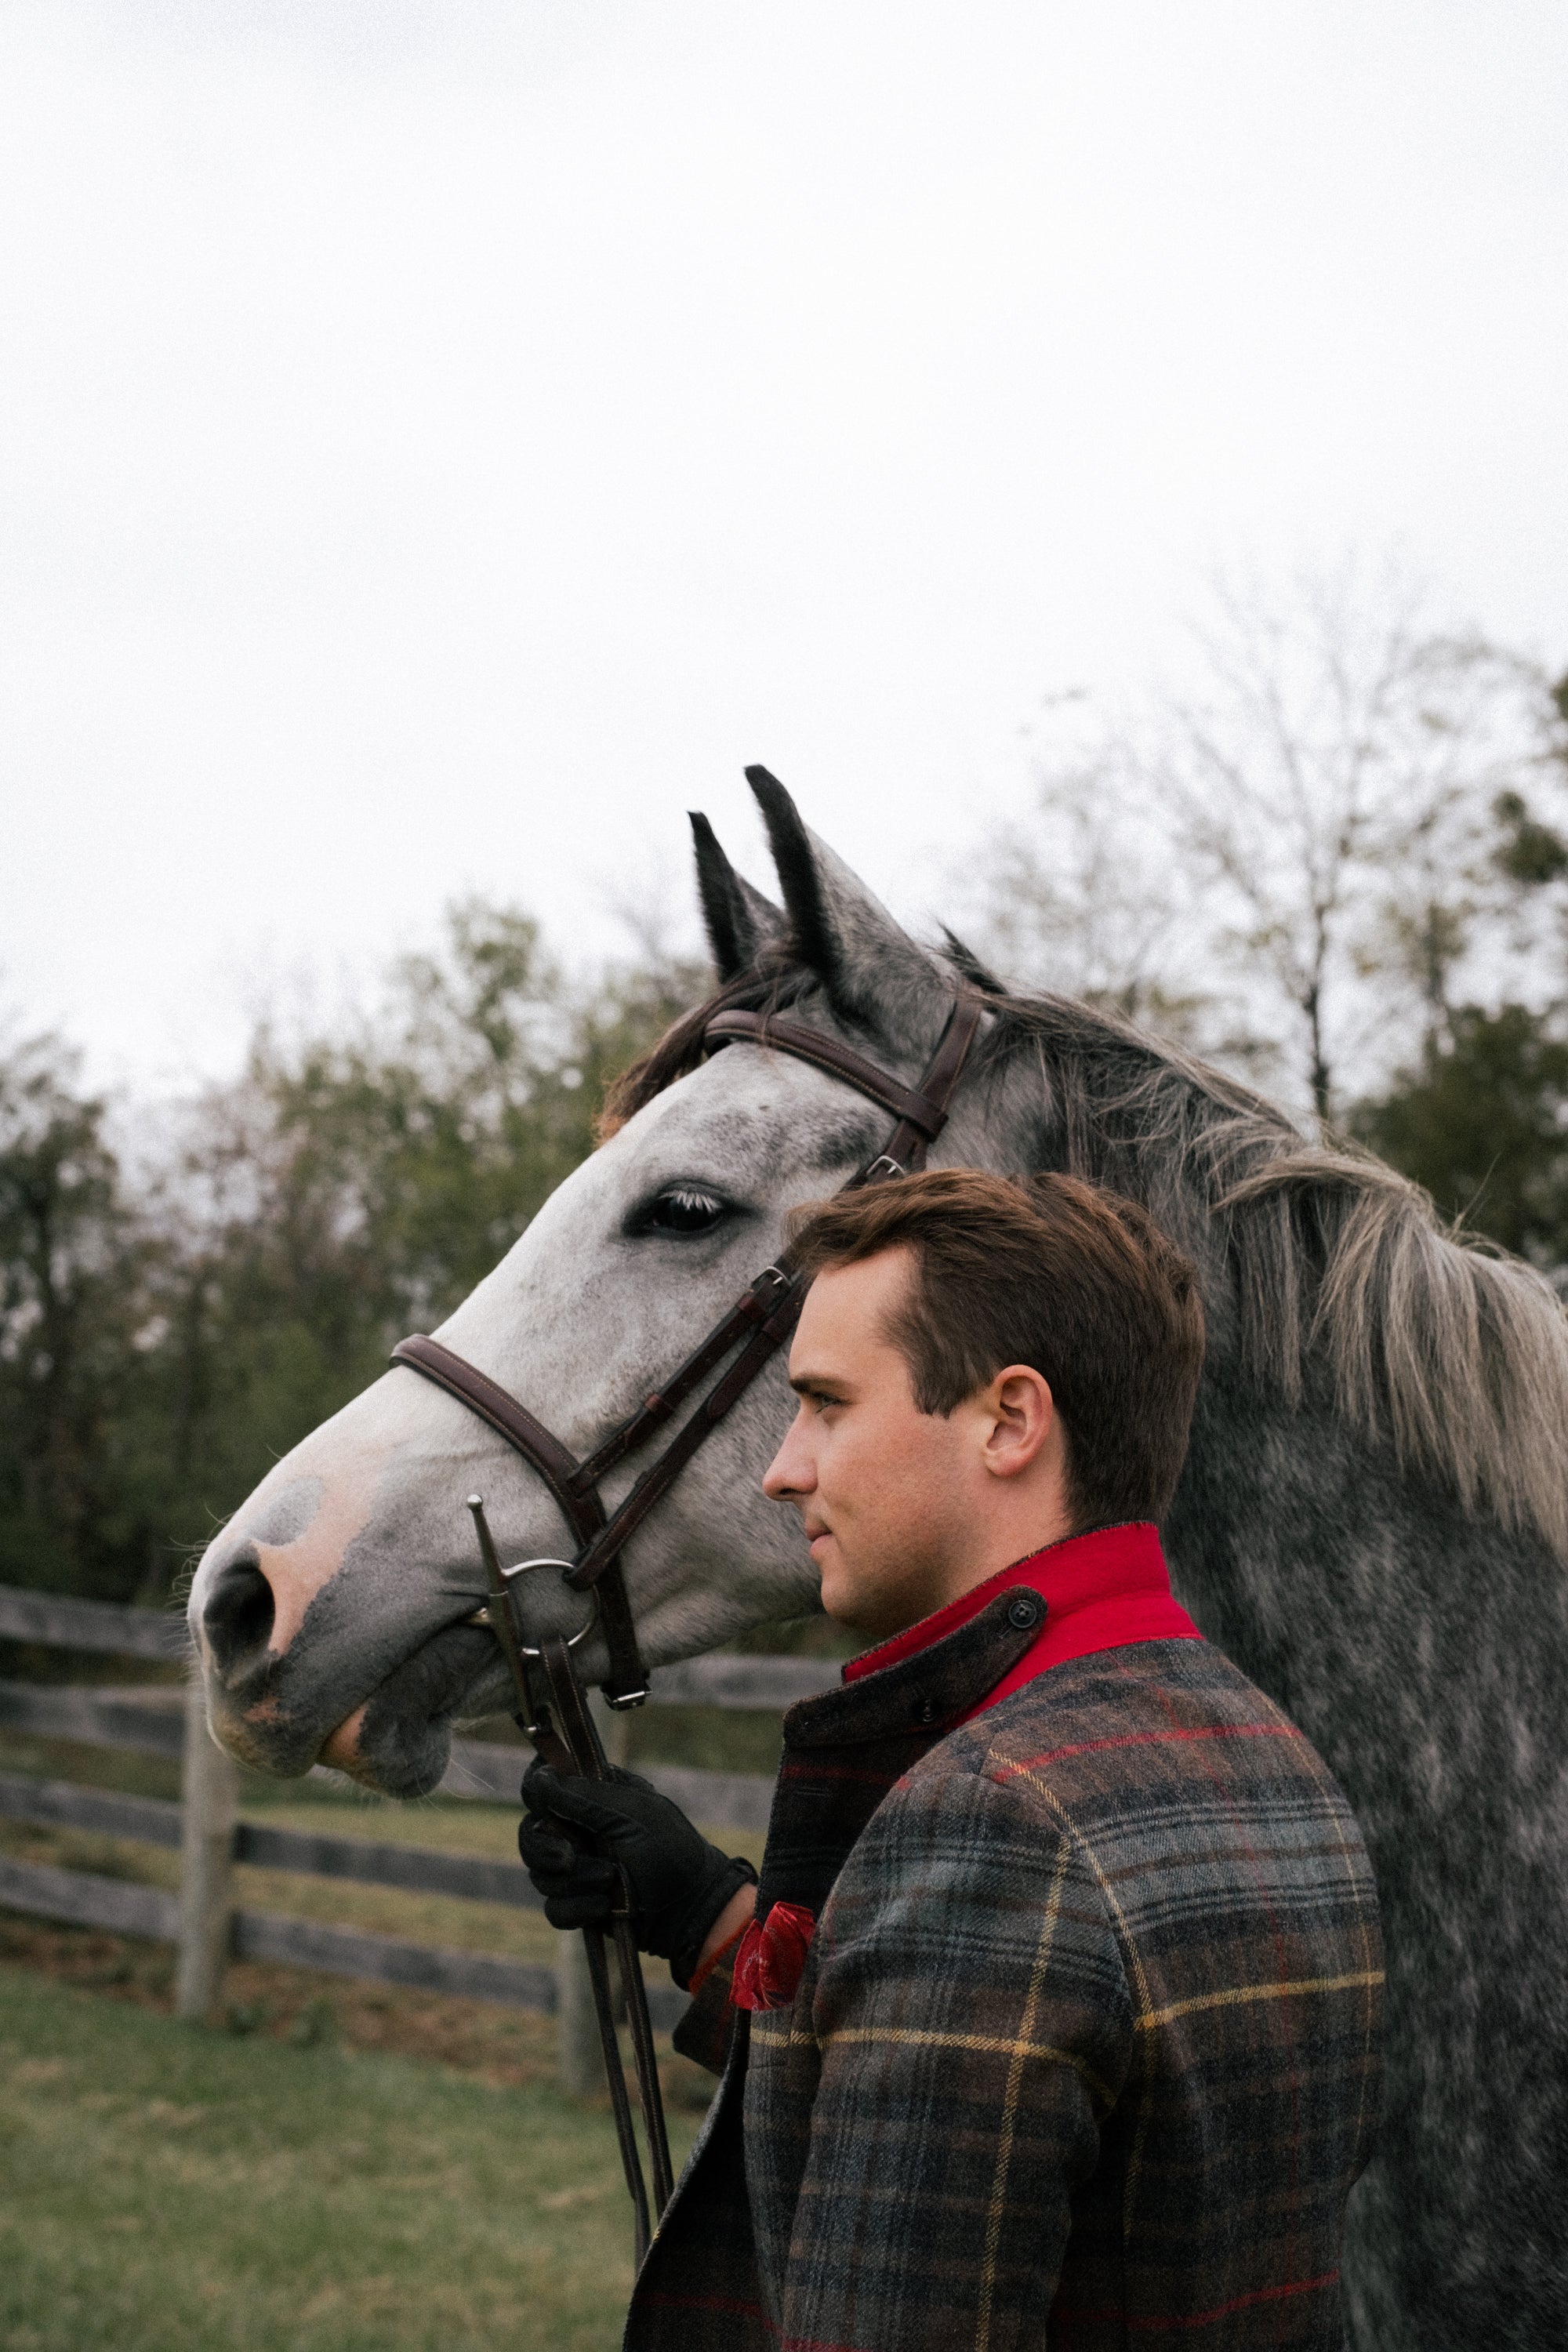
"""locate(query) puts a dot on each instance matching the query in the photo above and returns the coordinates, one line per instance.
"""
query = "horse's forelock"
(763, 989)
(771, 985)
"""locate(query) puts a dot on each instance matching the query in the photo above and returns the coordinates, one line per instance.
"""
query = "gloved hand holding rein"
(677, 1883)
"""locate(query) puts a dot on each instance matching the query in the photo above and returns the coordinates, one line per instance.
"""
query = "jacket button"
(925, 1710)
(1025, 1612)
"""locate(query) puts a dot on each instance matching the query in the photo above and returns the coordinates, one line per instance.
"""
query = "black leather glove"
(677, 1883)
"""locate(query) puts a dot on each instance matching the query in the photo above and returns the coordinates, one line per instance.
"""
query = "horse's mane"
(1454, 1351)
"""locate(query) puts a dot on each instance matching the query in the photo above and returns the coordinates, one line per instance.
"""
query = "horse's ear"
(739, 922)
(870, 966)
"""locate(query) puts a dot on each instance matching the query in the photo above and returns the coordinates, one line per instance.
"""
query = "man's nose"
(790, 1472)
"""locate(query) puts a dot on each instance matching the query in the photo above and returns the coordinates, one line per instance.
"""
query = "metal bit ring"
(521, 1568)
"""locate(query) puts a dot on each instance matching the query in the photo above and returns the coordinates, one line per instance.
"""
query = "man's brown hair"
(1054, 1272)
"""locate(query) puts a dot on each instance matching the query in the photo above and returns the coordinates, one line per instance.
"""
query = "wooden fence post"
(579, 2055)
(210, 1787)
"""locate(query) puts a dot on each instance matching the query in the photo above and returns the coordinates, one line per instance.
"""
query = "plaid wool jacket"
(1085, 2052)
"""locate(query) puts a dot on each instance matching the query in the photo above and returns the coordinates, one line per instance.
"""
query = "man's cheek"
(827, 1466)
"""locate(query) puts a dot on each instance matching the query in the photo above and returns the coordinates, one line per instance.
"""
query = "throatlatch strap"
(660, 1475)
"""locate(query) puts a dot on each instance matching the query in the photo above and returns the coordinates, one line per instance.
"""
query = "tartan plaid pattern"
(1085, 2049)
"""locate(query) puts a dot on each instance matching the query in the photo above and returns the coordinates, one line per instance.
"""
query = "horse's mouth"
(399, 1739)
(277, 1714)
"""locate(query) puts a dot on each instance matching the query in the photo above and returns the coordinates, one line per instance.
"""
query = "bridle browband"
(758, 1324)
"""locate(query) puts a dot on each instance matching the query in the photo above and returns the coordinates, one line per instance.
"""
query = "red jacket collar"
(1103, 1590)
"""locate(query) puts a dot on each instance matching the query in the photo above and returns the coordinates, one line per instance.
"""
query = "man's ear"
(1023, 1419)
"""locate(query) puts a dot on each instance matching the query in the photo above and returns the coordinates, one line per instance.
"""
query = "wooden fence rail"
(480, 1768)
(203, 1920)
(91, 1625)
(154, 1820)
(93, 1718)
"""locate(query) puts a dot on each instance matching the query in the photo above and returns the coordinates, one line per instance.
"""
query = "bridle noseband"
(758, 1324)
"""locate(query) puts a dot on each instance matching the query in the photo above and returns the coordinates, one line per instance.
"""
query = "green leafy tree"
(75, 1287)
(1482, 1123)
(1482, 1120)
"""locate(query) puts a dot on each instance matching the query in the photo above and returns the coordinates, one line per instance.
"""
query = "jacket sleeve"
(705, 2033)
(973, 2029)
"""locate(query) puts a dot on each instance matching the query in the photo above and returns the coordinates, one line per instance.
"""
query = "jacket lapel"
(847, 1747)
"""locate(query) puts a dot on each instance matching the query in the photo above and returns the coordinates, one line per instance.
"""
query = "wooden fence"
(203, 1922)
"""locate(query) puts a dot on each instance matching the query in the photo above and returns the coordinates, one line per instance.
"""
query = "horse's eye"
(683, 1209)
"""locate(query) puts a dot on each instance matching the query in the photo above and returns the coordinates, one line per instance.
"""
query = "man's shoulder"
(1157, 1726)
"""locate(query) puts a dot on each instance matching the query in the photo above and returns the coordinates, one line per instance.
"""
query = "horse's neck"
(1422, 1649)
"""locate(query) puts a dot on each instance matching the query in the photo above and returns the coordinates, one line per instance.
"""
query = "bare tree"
(1087, 900)
(1333, 780)
(1291, 856)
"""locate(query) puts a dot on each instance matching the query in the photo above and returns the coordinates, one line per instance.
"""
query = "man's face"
(881, 1488)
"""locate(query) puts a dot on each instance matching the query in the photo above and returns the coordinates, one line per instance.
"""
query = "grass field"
(341, 2165)
(338, 2165)
(170, 2188)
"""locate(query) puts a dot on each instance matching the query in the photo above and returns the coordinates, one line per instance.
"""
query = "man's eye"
(683, 1209)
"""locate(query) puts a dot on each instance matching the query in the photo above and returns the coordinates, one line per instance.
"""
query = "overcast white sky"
(440, 443)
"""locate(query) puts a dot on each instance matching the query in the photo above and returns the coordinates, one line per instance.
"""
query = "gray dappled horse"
(1373, 1522)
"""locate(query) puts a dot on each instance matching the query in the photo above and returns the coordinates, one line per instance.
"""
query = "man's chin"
(839, 1602)
(869, 1616)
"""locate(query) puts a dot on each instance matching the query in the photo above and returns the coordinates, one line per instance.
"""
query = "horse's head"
(330, 1612)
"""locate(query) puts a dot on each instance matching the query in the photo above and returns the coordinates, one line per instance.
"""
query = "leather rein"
(758, 1324)
(553, 1715)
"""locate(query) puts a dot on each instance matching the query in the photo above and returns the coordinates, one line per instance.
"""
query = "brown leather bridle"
(758, 1324)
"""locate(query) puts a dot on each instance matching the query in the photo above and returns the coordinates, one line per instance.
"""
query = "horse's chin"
(399, 1742)
(341, 1750)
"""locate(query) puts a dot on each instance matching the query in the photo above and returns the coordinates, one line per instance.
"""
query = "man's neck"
(1018, 1536)
(1102, 1589)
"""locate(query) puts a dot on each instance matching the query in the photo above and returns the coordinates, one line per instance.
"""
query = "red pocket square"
(772, 1955)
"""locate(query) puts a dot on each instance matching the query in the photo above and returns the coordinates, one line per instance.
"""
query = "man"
(1054, 2020)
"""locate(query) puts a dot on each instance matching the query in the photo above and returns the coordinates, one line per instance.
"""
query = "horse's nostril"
(237, 1618)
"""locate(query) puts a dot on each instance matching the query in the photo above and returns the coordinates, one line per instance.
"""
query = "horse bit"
(544, 1676)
